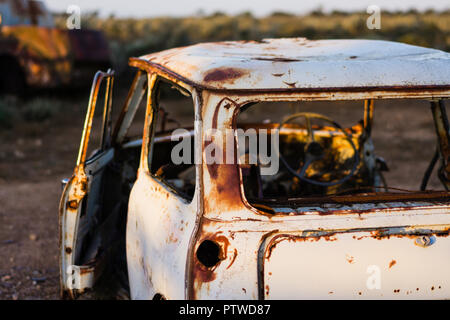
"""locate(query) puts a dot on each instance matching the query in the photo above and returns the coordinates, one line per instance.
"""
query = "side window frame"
(150, 128)
(136, 94)
(105, 138)
(442, 127)
(149, 125)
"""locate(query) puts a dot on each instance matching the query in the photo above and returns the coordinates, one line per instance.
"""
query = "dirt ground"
(35, 157)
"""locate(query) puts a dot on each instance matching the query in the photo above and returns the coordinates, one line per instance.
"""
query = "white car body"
(385, 247)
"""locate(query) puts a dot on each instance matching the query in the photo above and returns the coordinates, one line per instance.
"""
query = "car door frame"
(75, 279)
(169, 224)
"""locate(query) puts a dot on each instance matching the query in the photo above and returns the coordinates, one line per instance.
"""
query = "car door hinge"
(80, 277)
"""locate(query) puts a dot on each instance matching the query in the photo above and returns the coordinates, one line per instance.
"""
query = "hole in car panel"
(159, 297)
(208, 253)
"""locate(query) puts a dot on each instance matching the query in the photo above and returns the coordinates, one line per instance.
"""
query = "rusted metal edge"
(189, 277)
(62, 293)
(166, 73)
(440, 90)
(263, 245)
(125, 106)
(375, 233)
(364, 198)
(99, 76)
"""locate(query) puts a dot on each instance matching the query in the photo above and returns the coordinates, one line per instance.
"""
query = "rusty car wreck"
(35, 54)
(321, 227)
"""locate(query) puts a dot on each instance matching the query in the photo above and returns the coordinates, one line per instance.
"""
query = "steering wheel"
(314, 151)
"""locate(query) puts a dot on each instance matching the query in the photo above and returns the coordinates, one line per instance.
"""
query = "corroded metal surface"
(318, 247)
(48, 57)
(242, 233)
(43, 53)
(299, 63)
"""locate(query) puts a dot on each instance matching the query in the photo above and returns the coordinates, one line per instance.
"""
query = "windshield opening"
(352, 149)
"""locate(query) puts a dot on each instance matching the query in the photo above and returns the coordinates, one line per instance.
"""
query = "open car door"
(82, 212)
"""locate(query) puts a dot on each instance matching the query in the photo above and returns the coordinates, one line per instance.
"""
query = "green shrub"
(38, 110)
(8, 112)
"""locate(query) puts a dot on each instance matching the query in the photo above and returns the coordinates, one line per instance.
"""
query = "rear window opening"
(351, 151)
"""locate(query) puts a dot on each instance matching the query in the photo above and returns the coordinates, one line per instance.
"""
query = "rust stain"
(213, 168)
(326, 237)
(72, 205)
(222, 241)
(226, 187)
(224, 75)
(383, 234)
(350, 259)
(233, 259)
(392, 263)
(265, 209)
(229, 103)
(172, 239)
(87, 270)
(290, 84)
(283, 237)
(203, 274)
(277, 59)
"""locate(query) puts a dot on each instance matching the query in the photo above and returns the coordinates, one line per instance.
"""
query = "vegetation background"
(135, 37)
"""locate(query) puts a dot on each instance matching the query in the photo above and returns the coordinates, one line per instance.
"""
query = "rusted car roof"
(298, 63)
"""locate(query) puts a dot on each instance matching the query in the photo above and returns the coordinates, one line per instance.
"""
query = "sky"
(151, 8)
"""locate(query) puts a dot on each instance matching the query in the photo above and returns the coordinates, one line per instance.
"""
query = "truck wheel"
(12, 78)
